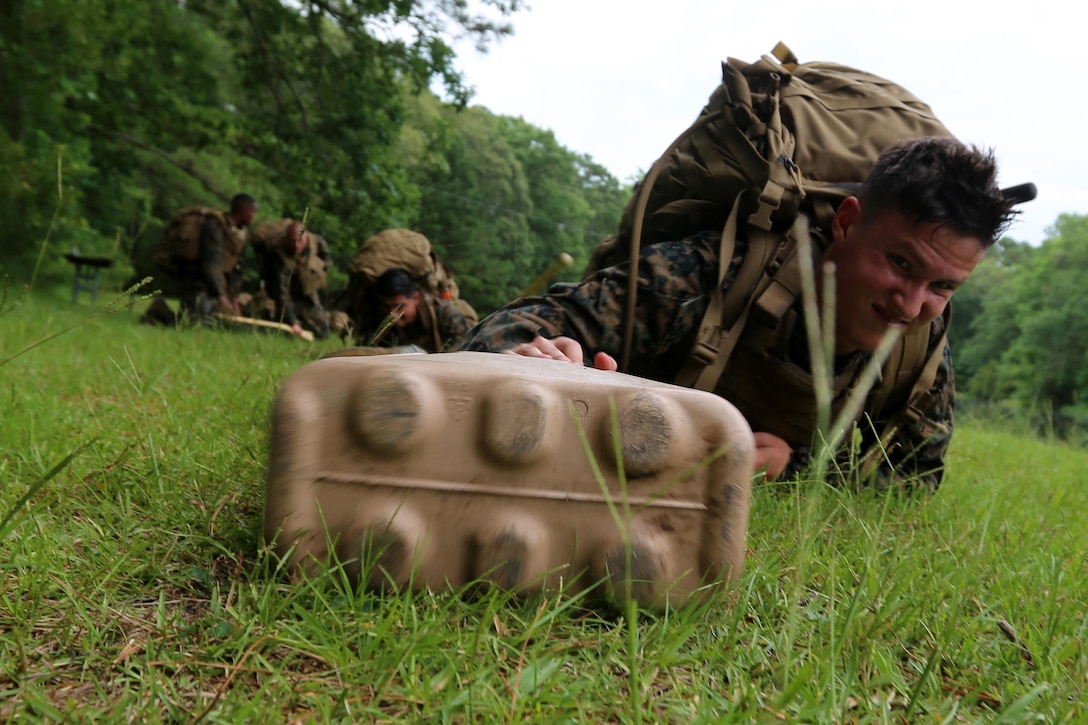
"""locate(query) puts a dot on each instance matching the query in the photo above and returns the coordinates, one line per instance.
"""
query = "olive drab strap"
(744, 161)
(714, 340)
(427, 309)
(728, 311)
(641, 203)
(785, 56)
(907, 362)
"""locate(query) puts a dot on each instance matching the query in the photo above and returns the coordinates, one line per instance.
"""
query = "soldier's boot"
(207, 306)
(428, 471)
(312, 317)
(159, 313)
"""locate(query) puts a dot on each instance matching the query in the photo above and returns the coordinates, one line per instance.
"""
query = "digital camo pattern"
(281, 282)
(220, 261)
(674, 283)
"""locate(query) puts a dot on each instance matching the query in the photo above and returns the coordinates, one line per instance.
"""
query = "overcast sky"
(619, 79)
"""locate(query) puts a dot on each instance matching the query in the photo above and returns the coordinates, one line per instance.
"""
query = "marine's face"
(296, 238)
(403, 308)
(245, 215)
(891, 272)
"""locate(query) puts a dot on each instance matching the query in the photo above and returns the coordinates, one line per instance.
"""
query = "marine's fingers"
(570, 349)
(525, 349)
(604, 361)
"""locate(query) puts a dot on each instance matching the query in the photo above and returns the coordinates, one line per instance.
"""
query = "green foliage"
(501, 199)
(1023, 334)
(149, 106)
(474, 207)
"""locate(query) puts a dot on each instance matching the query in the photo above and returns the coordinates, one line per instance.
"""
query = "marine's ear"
(847, 215)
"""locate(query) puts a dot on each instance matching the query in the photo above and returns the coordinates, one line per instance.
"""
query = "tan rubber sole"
(431, 471)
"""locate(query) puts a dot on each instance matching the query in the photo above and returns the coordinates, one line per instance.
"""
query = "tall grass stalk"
(621, 517)
(820, 330)
(52, 220)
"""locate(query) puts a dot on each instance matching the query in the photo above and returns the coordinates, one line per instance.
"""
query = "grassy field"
(135, 585)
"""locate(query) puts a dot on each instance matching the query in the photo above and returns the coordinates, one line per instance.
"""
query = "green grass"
(135, 586)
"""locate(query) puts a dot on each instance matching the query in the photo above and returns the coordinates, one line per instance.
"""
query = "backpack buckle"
(704, 353)
(770, 198)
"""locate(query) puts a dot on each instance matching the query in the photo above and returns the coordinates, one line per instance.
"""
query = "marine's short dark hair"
(395, 282)
(242, 201)
(940, 180)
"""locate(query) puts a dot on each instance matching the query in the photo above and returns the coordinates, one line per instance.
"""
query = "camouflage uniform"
(283, 284)
(217, 270)
(439, 325)
(674, 283)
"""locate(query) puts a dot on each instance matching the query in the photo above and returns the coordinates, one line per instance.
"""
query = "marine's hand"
(561, 348)
(225, 304)
(296, 329)
(772, 455)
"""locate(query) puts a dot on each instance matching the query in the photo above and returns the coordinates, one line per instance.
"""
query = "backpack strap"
(768, 254)
(908, 358)
(429, 312)
(750, 161)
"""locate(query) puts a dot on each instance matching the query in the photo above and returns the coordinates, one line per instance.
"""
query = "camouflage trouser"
(312, 316)
(186, 283)
(309, 312)
(189, 290)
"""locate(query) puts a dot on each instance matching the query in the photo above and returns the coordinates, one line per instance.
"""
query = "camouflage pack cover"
(777, 137)
(313, 275)
(180, 238)
(403, 248)
(410, 251)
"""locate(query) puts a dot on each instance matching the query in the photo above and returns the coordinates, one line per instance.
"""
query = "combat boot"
(441, 470)
(159, 313)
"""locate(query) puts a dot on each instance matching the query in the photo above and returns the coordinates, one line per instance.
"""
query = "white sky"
(618, 80)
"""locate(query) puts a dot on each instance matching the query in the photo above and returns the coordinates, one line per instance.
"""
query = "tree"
(1047, 358)
(155, 104)
(501, 199)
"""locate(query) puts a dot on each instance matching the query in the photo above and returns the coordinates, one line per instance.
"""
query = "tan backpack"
(412, 252)
(180, 238)
(777, 139)
(774, 138)
(312, 276)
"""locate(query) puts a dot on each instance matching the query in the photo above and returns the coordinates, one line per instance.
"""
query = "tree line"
(1020, 324)
(117, 114)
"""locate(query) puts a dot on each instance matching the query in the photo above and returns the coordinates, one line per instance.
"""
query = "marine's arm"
(211, 260)
(452, 325)
(673, 281)
(279, 289)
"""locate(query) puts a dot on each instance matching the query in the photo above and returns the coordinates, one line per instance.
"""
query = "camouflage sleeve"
(280, 291)
(211, 256)
(914, 454)
(674, 279)
(235, 278)
(452, 325)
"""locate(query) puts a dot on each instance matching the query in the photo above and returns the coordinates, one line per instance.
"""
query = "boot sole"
(431, 471)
